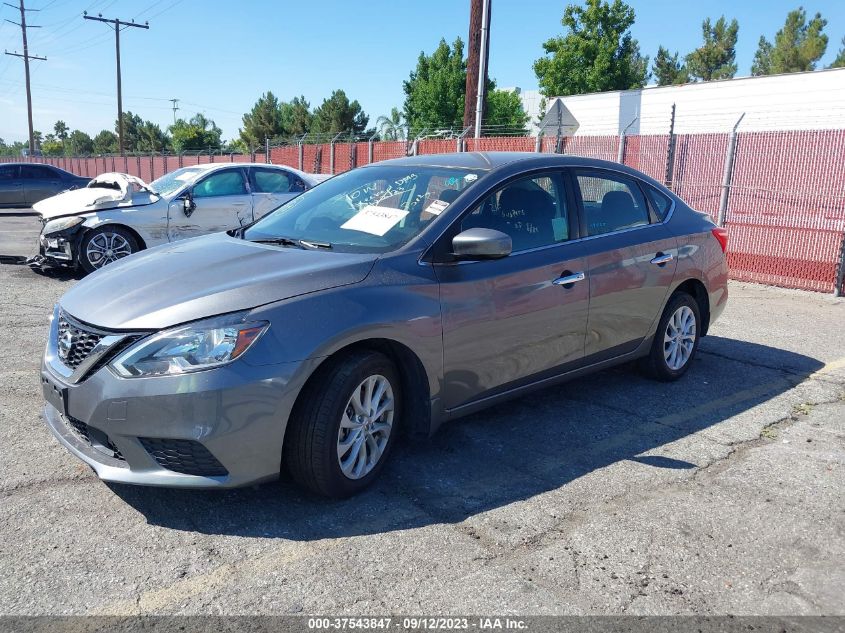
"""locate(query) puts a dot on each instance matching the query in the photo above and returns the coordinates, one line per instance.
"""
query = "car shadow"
(541, 442)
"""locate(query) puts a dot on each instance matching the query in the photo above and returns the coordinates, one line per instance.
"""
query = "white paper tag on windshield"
(186, 176)
(437, 207)
(375, 220)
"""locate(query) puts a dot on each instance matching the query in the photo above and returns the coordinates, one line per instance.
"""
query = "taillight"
(721, 236)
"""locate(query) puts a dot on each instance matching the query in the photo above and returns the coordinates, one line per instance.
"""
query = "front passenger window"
(611, 202)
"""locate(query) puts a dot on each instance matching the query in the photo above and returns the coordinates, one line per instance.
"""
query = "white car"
(118, 214)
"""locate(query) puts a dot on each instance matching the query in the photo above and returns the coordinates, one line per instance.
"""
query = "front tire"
(676, 340)
(344, 425)
(103, 245)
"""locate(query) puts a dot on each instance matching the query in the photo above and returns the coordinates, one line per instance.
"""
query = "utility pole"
(175, 103)
(117, 24)
(26, 57)
(477, 55)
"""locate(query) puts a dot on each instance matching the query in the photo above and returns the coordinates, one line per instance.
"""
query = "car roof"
(492, 161)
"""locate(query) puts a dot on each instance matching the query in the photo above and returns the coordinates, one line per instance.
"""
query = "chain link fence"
(780, 194)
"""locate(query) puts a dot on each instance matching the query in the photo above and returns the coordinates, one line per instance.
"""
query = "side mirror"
(481, 244)
(188, 204)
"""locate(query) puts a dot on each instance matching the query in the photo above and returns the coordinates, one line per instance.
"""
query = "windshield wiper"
(287, 241)
(313, 244)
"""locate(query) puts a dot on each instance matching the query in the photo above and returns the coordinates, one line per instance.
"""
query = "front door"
(507, 321)
(271, 188)
(221, 202)
(631, 262)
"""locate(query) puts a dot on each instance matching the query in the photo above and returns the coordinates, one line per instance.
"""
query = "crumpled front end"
(58, 243)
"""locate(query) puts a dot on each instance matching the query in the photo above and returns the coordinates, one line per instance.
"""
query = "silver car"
(116, 214)
(392, 298)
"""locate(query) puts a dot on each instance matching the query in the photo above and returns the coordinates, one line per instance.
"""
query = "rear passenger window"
(611, 202)
(660, 201)
(271, 181)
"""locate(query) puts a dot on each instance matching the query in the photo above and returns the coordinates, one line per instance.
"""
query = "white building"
(797, 101)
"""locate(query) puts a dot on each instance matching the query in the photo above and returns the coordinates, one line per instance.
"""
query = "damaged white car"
(118, 214)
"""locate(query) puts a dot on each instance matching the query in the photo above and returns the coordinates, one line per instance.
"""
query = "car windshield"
(170, 183)
(373, 210)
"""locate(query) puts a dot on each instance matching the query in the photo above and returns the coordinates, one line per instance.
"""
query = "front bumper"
(220, 428)
(58, 249)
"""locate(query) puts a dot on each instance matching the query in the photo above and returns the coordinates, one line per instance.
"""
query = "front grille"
(184, 456)
(95, 438)
(75, 343)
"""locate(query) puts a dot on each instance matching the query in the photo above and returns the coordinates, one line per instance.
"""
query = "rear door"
(11, 187)
(221, 202)
(512, 320)
(631, 260)
(272, 188)
(39, 182)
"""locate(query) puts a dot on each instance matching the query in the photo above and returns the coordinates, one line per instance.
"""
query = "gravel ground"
(612, 494)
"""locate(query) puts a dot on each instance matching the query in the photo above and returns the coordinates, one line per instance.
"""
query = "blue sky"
(218, 56)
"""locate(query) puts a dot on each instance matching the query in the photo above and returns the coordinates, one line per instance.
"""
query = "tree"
(391, 128)
(296, 117)
(151, 138)
(61, 129)
(52, 146)
(505, 112)
(132, 124)
(797, 48)
(79, 143)
(337, 114)
(716, 58)
(105, 143)
(37, 138)
(263, 121)
(668, 70)
(839, 62)
(596, 54)
(435, 90)
(198, 133)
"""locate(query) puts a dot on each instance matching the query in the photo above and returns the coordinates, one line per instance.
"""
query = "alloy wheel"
(106, 247)
(679, 338)
(365, 427)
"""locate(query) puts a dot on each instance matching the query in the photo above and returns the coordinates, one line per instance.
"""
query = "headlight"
(54, 226)
(190, 348)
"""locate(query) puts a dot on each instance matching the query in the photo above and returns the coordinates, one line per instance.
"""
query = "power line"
(117, 24)
(26, 57)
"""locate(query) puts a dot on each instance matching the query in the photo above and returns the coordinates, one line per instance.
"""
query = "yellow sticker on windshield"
(375, 220)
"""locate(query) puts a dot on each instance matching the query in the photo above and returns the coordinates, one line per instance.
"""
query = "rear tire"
(676, 339)
(338, 439)
(104, 245)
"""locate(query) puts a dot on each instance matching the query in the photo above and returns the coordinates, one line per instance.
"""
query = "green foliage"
(61, 129)
(839, 62)
(11, 149)
(52, 146)
(797, 48)
(668, 70)
(716, 57)
(435, 90)
(140, 135)
(105, 143)
(337, 114)
(296, 117)
(392, 128)
(597, 53)
(263, 121)
(505, 112)
(199, 133)
(78, 144)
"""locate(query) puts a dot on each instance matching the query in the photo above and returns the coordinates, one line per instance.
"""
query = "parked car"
(24, 184)
(391, 298)
(118, 214)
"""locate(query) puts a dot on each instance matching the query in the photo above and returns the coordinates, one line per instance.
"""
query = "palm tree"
(61, 130)
(392, 128)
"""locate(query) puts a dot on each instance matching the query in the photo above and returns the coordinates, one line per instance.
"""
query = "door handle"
(239, 204)
(569, 279)
(662, 259)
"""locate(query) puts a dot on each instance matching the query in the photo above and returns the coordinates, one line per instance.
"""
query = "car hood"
(205, 276)
(107, 191)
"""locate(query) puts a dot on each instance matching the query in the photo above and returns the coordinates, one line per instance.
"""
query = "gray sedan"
(24, 184)
(387, 300)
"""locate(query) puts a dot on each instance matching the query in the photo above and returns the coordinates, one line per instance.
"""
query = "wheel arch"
(698, 291)
(142, 244)
(416, 397)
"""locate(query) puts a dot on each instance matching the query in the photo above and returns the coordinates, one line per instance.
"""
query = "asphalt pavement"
(612, 494)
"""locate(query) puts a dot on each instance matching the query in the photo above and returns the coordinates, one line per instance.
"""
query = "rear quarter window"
(659, 200)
